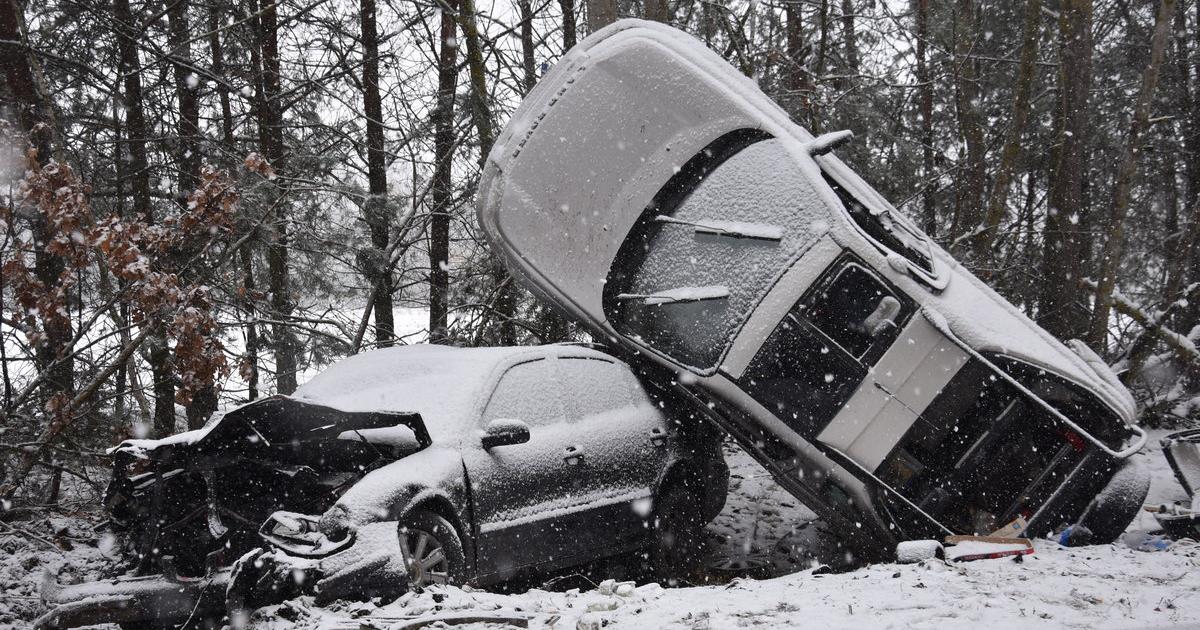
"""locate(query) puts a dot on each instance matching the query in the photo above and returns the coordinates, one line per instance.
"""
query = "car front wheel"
(431, 550)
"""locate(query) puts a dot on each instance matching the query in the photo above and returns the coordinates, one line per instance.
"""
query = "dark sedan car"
(479, 462)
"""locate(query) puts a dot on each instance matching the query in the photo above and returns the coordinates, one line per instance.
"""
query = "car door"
(622, 447)
(518, 489)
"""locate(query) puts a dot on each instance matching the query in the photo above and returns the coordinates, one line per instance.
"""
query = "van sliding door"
(819, 355)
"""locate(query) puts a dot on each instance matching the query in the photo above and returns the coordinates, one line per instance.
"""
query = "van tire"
(1115, 507)
(677, 526)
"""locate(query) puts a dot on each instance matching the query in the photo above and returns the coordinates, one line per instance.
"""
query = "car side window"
(855, 310)
(525, 393)
(593, 386)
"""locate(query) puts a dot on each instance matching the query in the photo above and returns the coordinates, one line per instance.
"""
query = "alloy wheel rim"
(424, 557)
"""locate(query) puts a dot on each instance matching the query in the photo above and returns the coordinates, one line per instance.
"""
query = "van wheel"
(431, 550)
(1115, 507)
(678, 527)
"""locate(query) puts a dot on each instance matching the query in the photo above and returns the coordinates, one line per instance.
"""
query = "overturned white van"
(655, 194)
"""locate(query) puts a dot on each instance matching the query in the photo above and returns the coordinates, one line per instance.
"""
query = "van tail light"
(1075, 440)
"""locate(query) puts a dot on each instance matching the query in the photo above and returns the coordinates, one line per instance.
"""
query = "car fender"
(387, 493)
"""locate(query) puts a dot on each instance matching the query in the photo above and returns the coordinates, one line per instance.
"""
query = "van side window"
(800, 377)
(818, 355)
(526, 392)
(850, 308)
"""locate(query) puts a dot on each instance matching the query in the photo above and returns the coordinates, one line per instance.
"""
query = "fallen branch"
(1180, 345)
(30, 456)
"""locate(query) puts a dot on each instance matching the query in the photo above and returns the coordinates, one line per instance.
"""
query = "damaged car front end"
(189, 506)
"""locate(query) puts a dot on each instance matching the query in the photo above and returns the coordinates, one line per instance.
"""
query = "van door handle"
(573, 455)
(658, 437)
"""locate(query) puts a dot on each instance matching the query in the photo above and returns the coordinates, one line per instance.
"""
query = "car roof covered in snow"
(616, 117)
(446, 385)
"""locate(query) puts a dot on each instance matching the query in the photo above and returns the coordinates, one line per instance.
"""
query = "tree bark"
(925, 90)
(187, 86)
(972, 174)
(376, 208)
(528, 64)
(506, 299)
(249, 367)
(849, 37)
(441, 190)
(217, 52)
(270, 130)
(1110, 256)
(35, 115)
(798, 81)
(1178, 226)
(162, 376)
(1022, 86)
(658, 10)
(568, 23)
(1061, 306)
(600, 13)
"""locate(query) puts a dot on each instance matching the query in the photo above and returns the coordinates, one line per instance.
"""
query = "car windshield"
(711, 245)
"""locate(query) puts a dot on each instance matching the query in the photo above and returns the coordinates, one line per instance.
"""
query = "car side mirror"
(504, 432)
(883, 319)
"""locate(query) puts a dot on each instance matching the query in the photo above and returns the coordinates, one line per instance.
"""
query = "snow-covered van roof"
(622, 112)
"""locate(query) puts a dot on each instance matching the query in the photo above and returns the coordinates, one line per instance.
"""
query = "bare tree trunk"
(442, 185)
(270, 130)
(162, 376)
(1022, 86)
(506, 298)
(600, 13)
(849, 36)
(528, 65)
(35, 115)
(1061, 306)
(568, 23)
(1110, 256)
(658, 10)
(928, 210)
(376, 208)
(187, 85)
(25, 82)
(972, 175)
(249, 367)
(797, 76)
(216, 51)
(480, 111)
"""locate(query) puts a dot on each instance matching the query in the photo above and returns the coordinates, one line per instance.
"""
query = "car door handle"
(573, 455)
(658, 437)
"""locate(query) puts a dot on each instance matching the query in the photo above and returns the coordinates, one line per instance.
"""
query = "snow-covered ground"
(1108, 586)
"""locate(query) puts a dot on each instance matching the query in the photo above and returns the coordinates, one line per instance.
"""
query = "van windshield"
(884, 226)
(711, 245)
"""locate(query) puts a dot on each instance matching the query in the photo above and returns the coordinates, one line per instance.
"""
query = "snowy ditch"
(1109, 586)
